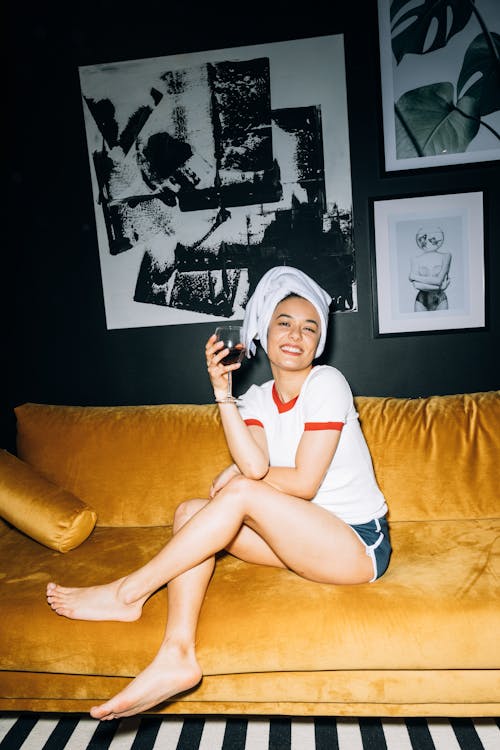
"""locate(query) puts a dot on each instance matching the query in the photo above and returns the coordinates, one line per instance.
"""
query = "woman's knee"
(241, 493)
(186, 510)
(239, 488)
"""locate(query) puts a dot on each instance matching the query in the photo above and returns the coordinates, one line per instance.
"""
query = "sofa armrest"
(41, 509)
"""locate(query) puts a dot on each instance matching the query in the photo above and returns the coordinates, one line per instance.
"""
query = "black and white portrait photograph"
(440, 82)
(429, 263)
(210, 168)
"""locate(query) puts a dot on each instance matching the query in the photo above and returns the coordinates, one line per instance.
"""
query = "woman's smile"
(288, 349)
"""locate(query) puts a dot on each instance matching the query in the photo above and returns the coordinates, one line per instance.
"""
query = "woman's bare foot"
(107, 602)
(174, 670)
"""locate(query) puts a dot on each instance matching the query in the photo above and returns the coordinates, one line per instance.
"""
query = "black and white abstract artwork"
(209, 168)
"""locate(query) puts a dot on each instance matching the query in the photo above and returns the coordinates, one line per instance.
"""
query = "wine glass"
(231, 337)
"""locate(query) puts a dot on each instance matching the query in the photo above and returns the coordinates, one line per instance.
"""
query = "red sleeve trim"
(256, 422)
(323, 426)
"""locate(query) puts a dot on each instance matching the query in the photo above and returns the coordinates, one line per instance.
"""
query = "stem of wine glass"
(229, 385)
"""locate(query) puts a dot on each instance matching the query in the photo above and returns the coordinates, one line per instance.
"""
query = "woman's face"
(293, 334)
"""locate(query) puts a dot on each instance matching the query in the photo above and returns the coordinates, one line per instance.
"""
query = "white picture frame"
(428, 263)
(438, 87)
(165, 260)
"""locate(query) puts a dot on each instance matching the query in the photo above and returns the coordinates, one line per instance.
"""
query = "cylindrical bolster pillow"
(40, 509)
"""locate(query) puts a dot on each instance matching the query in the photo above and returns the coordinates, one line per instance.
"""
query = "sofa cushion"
(435, 457)
(435, 608)
(133, 464)
(37, 507)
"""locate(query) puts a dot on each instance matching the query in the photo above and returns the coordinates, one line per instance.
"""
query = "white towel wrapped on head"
(273, 287)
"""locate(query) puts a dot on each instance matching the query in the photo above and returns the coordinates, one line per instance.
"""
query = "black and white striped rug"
(74, 732)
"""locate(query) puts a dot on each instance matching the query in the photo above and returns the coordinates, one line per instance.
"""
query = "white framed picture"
(428, 263)
(440, 82)
(208, 168)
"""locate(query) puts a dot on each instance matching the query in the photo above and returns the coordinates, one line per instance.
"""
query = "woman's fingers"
(213, 349)
(209, 346)
(217, 372)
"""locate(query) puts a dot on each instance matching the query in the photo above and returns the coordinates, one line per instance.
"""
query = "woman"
(300, 494)
(430, 271)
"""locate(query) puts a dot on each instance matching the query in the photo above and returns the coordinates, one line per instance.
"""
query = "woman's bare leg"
(175, 668)
(307, 539)
(300, 536)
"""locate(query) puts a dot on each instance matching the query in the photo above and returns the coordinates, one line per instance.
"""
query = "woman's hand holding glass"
(224, 352)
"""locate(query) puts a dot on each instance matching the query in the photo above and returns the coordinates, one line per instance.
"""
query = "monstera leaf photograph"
(440, 68)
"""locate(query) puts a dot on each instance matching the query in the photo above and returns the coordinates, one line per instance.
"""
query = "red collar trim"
(279, 403)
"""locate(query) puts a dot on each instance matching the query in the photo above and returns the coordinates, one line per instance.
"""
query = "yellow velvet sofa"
(423, 640)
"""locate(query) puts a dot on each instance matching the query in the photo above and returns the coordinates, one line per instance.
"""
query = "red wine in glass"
(235, 355)
(231, 336)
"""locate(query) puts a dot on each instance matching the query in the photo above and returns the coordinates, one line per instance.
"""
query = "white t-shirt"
(325, 402)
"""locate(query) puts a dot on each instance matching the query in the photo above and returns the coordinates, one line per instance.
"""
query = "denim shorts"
(375, 537)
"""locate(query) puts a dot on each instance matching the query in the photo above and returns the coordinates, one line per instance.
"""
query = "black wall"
(56, 346)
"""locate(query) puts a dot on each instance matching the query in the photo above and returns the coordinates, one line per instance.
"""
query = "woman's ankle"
(128, 591)
(181, 643)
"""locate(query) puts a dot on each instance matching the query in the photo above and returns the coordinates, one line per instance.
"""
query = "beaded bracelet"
(227, 400)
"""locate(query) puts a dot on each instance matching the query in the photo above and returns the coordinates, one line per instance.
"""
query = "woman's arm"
(426, 287)
(314, 456)
(247, 445)
(431, 280)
